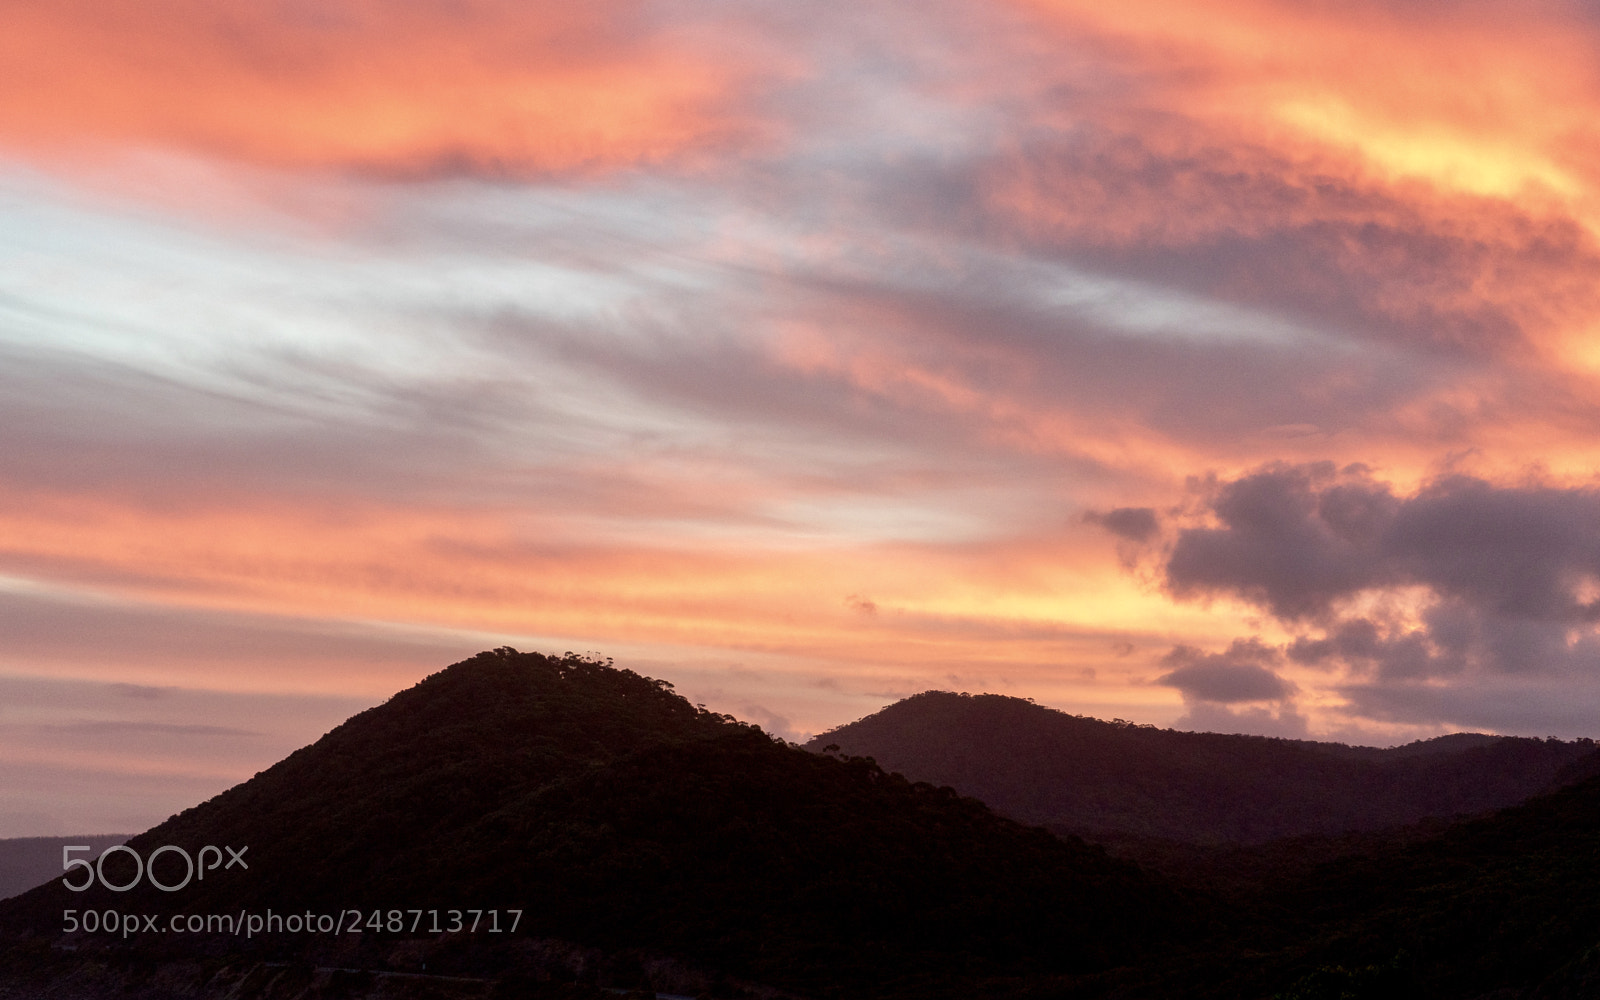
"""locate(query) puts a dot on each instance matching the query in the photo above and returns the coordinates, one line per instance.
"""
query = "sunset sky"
(1229, 365)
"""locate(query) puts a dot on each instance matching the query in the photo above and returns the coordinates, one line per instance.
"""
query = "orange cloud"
(1428, 168)
(1485, 99)
(482, 85)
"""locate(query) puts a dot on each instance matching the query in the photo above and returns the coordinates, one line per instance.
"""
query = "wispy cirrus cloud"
(694, 330)
(429, 88)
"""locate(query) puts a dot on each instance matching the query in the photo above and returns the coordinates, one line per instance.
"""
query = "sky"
(1230, 366)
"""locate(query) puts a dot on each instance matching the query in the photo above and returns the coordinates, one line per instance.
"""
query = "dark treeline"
(615, 814)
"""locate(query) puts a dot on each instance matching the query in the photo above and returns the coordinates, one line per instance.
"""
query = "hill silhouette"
(1112, 780)
(652, 845)
(628, 824)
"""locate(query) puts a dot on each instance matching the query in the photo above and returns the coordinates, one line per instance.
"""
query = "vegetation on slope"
(1099, 779)
(652, 844)
(614, 814)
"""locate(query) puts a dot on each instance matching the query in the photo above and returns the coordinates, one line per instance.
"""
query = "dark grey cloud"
(1136, 524)
(1355, 641)
(1290, 538)
(1240, 674)
(1297, 540)
(1521, 553)
(1508, 578)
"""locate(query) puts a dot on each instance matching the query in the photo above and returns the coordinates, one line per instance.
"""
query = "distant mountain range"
(528, 826)
(28, 861)
(1107, 780)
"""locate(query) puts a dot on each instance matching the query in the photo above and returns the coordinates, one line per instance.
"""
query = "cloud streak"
(433, 88)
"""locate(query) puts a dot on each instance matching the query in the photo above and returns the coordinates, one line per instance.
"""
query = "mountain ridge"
(1101, 779)
(647, 845)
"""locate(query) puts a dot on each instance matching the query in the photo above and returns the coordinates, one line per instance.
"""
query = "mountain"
(628, 830)
(29, 861)
(1503, 906)
(1107, 780)
(606, 835)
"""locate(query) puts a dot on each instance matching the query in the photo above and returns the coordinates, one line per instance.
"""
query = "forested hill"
(1095, 778)
(620, 819)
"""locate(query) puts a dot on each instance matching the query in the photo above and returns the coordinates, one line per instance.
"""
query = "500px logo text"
(145, 868)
